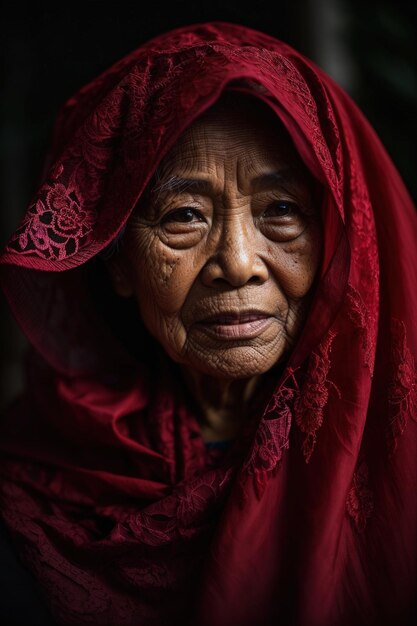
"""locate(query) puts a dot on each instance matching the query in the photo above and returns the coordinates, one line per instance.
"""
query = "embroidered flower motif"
(364, 322)
(271, 439)
(197, 501)
(359, 503)
(55, 225)
(147, 574)
(402, 392)
(309, 406)
(194, 503)
(272, 435)
(363, 236)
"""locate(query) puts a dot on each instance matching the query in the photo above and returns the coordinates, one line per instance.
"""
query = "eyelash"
(289, 207)
(170, 217)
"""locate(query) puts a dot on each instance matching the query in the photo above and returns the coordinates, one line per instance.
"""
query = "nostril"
(220, 281)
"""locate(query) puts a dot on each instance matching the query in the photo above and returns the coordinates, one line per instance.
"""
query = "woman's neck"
(223, 405)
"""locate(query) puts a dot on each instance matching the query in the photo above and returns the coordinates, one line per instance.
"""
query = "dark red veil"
(311, 517)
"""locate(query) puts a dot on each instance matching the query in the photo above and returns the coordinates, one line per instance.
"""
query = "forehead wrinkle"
(201, 171)
(216, 151)
(265, 181)
(255, 163)
(203, 144)
(178, 184)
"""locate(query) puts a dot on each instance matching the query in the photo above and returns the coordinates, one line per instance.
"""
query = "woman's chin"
(234, 363)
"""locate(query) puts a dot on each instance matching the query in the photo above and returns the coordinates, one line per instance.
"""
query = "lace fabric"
(114, 503)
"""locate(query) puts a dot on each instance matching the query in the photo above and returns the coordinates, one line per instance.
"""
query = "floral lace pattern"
(55, 226)
(309, 406)
(363, 223)
(360, 317)
(182, 518)
(271, 439)
(360, 503)
(402, 392)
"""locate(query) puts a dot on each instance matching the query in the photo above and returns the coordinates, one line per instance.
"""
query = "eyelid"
(197, 212)
(278, 195)
(294, 208)
(277, 218)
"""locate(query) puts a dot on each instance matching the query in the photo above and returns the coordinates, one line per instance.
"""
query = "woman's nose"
(235, 259)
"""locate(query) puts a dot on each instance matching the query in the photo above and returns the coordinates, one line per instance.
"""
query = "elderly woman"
(218, 279)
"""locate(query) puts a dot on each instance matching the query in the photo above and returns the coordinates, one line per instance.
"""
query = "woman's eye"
(281, 209)
(183, 227)
(184, 216)
(282, 220)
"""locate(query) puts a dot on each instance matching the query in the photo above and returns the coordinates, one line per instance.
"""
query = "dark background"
(49, 50)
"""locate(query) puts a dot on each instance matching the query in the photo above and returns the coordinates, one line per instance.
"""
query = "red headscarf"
(311, 518)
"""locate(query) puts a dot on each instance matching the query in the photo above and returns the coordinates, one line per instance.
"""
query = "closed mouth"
(232, 326)
(234, 318)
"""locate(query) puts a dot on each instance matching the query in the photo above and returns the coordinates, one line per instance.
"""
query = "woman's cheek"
(302, 261)
(162, 277)
(159, 303)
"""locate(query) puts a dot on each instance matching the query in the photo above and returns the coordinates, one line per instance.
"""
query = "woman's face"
(223, 253)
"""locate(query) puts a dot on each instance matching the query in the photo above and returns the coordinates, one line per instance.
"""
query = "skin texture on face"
(222, 255)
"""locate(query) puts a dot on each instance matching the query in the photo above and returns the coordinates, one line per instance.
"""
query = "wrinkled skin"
(247, 240)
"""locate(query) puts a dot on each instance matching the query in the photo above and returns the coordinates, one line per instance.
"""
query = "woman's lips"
(236, 325)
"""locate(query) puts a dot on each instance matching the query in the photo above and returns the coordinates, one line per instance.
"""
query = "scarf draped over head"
(311, 518)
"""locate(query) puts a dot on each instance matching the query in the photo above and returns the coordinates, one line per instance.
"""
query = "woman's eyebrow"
(180, 184)
(272, 180)
(264, 182)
